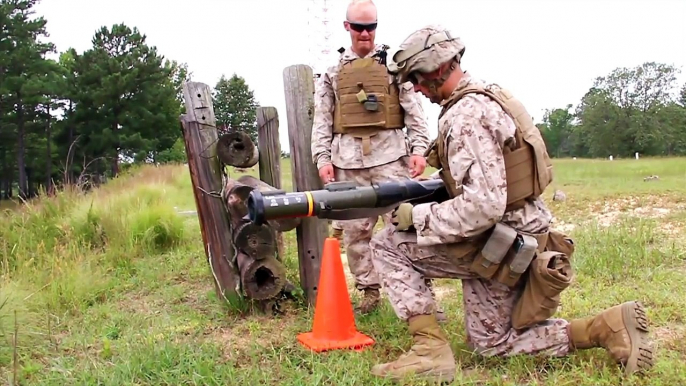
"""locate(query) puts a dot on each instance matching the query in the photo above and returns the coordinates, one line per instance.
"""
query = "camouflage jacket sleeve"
(322, 125)
(476, 130)
(415, 120)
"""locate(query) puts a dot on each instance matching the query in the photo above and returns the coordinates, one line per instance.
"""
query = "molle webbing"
(367, 100)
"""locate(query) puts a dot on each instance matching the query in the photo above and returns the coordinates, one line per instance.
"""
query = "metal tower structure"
(319, 35)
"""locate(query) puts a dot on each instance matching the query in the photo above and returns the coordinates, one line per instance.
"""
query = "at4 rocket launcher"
(343, 200)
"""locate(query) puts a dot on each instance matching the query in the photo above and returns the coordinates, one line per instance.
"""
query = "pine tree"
(235, 106)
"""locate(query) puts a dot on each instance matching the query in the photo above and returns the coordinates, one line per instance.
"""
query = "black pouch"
(518, 260)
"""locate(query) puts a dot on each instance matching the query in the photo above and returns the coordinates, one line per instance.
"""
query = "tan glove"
(402, 217)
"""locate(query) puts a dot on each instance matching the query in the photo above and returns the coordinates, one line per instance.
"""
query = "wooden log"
(281, 225)
(236, 149)
(312, 231)
(200, 136)
(257, 241)
(236, 194)
(261, 279)
(270, 159)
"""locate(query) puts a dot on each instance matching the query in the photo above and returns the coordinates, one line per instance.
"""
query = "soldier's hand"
(417, 165)
(326, 174)
(402, 217)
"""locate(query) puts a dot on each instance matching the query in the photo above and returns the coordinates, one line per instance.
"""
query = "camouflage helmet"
(424, 51)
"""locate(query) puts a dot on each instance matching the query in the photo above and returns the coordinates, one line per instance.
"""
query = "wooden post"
(270, 157)
(200, 136)
(312, 231)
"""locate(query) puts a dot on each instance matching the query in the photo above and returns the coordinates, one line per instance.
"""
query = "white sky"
(547, 52)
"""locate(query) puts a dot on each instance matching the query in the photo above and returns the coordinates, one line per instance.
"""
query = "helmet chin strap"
(434, 84)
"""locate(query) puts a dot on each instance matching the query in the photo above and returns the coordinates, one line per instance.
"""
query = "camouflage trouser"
(358, 233)
(402, 266)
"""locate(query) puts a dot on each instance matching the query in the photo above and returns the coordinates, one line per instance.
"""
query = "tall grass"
(66, 246)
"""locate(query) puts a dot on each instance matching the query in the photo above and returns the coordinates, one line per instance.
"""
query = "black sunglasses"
(358, 27)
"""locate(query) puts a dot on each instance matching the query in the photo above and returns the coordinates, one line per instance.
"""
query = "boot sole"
(641, 358)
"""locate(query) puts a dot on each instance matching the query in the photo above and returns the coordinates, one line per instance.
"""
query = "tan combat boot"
(429, 358)
(338, 234)
(622, 330)
(369, 302)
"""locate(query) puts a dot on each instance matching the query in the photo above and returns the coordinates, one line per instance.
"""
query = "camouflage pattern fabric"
(358, 233)
(476, 129)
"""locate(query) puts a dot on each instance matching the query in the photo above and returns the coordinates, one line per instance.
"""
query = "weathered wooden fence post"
(200, 136)
(311, 233)
(270, 156)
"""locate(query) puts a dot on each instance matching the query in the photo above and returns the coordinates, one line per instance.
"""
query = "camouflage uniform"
(404, 259)
(476, 130)
(388, 160)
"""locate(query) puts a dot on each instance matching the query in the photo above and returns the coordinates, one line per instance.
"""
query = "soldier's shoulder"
(476, 103)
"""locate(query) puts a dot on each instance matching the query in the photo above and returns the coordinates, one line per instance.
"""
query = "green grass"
(113, 288)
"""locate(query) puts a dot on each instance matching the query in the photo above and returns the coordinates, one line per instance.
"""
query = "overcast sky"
(547, 52)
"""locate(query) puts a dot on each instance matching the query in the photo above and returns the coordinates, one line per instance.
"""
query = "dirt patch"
(442, 292)
(140, 304)
(610, 216)
(563, 226)
(241, 335)
(671, 337)
(609, 212)
(672, 229)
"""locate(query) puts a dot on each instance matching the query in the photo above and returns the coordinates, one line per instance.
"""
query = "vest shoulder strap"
(528, 165)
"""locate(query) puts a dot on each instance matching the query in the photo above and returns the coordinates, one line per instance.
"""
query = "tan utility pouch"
(560, 242)
(491, 255)
(549, 275)
(518, 260)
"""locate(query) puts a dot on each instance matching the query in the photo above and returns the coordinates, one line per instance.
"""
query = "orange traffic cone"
(334, 323)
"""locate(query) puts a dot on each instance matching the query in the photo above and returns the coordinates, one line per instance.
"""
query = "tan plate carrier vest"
(528, 167)
(367, 101)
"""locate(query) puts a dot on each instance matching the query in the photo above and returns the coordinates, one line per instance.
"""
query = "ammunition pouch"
(538, 263)
(507, 255)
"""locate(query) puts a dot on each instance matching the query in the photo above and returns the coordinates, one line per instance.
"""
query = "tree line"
(630, 110)
(82, 117)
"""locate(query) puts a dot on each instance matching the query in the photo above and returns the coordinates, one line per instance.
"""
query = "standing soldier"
(357, 134)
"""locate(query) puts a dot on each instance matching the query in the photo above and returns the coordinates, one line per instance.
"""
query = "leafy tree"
(557, 129)
(629, 110)
(175, 154)
(234, 106)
